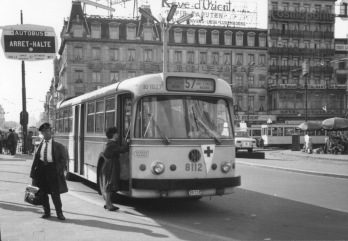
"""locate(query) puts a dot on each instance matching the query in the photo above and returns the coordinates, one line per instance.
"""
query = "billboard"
(240, 14)
(29, 42)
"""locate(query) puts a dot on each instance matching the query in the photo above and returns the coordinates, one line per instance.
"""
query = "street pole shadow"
(11, 206)
(110, 226)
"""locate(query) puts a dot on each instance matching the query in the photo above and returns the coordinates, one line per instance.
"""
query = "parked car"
(244, 141)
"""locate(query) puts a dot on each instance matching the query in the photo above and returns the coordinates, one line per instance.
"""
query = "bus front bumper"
(153, 188)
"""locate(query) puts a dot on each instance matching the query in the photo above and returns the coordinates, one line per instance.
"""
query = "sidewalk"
(300, 162)
(85, 220)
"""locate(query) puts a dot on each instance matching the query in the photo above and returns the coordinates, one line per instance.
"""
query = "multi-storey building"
(341, 66)
(299, 31)
(97, 51)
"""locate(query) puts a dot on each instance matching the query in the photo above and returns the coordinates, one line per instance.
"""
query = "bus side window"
(127, 112)
(274, 131)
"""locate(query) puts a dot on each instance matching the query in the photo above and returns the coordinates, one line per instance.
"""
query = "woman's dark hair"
(110, 132)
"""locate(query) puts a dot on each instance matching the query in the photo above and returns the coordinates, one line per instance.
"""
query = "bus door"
(124, 112)
(81, 138)
(76, 137)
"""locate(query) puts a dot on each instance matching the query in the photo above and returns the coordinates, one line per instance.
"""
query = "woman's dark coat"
(59, 159)
(110, 171)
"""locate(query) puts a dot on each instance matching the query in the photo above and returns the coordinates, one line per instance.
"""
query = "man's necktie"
(45, 152)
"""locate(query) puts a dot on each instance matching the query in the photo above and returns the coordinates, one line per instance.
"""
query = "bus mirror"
(235, 109)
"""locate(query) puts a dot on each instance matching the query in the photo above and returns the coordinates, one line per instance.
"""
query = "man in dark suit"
(47, 171)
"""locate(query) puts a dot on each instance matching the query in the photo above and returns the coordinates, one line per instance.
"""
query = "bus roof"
(146, 84)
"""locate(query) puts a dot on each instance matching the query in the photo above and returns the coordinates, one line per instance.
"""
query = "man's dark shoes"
(60, 216)
(46, 215)
(111, 209)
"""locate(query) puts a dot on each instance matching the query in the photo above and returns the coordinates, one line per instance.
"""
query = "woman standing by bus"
(110, 177)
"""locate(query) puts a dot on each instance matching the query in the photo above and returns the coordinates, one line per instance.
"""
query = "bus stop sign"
(29, 42)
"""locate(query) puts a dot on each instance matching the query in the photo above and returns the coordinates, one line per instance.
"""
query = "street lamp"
(165, 27)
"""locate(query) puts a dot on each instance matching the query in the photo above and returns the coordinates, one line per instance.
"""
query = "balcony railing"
(286, 33)
(307, 34)
(317, 34)
(284, 68)
(327, 70)
(327, 51)
(296, 34)
(328, 35)
(274, 33)
(273, 68)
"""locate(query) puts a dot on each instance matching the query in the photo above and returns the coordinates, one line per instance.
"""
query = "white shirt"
(49, 150)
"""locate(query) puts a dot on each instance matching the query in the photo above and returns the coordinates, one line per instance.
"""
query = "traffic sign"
(29, 42)
(23, 119)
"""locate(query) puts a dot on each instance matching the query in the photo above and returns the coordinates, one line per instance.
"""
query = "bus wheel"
(250, 150)
(100, 182)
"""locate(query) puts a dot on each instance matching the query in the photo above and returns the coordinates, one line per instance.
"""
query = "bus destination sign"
(29, 42)
(190, 84)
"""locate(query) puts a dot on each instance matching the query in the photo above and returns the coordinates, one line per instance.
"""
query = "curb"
(311, 157)
(295, 170)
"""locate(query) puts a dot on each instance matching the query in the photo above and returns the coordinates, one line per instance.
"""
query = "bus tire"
(250, 150)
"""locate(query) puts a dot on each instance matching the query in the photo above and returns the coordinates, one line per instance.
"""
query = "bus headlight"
(226, 167)
(157, 167)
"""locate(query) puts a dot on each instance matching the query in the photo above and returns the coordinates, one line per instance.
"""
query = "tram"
(280, 135)
(179, 128)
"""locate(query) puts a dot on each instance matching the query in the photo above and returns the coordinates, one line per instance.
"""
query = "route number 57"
(189, 83)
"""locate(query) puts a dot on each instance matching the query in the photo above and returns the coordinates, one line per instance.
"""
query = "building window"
(228, 38)
(178, 35)
(262, 103)
(342, 64)
(96, 77)
(148, 33)
(262, 79)
(190, 36)
(239, 60)
(306, 43)
(294, 81)
(131, 55)
(227, 58)
(251, 103)
(273, 61)
(203, 57)
(78, 52)
(130, 74)
(114, 76)
(274, 5)
(78, 76)
(251, 39)
(215, 37)
(78, 30)
(251, 81)
(239, 39)
(284, 79)
(285, 6)
(262, 60)
(317, 8)
(202, 36)
(215, 59)
(114, 31)
(251, 58)
(131, 32)
(295, 62)
(96, 53)
(239, 80)
(177, 57)
(114, 54)
(240, 102)
(262, 40)
(296, 6)
(284, 61)
(190, 57)
(306, 7)
(148, 55)
(95, 31)
(328, 8)
(316, 80)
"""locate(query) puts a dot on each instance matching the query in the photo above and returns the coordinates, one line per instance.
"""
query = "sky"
(52, 13)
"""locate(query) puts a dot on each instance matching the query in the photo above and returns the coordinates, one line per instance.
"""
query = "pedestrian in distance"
(47, 171)
(110, 178)
(12, 141)
(29, 144)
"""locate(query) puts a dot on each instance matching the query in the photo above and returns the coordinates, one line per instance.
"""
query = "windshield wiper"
(206, 129)
(164, 137)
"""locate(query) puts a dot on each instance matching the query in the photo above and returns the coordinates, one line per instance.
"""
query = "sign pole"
(24, 120)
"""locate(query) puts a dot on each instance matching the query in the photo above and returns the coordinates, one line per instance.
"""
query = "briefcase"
(33, 195)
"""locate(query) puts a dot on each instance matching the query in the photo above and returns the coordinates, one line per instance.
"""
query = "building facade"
(2, 116)
(96, 52)
(341, 65)
(299, 31)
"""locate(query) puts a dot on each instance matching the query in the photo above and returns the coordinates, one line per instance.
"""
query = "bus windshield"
(183, 117)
